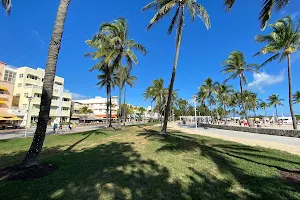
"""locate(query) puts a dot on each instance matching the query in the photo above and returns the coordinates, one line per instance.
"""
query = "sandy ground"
(294, 149)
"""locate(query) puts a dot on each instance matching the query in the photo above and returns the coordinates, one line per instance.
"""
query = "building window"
(19, 84)
(25, 94)
(37, 95)
(32, 77)
(65, 109)
(65, 99)
(9, 76)
(1, 91)
(21, 75)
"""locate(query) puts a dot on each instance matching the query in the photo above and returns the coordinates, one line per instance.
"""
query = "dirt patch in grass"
(15, 173)
(292, 176)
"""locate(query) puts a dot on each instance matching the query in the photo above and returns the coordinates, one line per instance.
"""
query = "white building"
(97, 105)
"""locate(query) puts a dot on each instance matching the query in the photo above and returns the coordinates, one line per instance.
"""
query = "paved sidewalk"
(288, 144)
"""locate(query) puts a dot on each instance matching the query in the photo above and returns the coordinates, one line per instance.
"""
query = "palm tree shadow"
(76, 143)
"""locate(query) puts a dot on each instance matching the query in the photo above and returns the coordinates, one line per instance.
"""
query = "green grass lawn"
(136, 163)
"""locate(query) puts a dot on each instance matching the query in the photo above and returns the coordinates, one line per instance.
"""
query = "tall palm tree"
(224, 93)
(157, 93)
(32, 156)
(163, 8)
(85, 111)
(114, 46)
(128, 80)
(267, 8)
(182, 104)
(263, 105)
(107, 79)
(120, 75)
(207, 90)
(275, 101)
(6, 5)
(253, 103)
(282, 42)
(296, 97)
(236, 66)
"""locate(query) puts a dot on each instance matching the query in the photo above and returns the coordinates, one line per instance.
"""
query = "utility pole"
(28, 109)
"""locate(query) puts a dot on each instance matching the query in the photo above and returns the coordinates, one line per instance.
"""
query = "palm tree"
(282, 42)
(296, 97)
(113, 45)
(163, 8)
(266, 12)
(275, 101)
(253, 103)
(120, 74)
(85, 111)
(32, 156)
(157, 93)
(6, 5)
(224, 93)
(263, 105)
(207, 90)
(182, 104)
(107, 79)
(128, 80)
(236, 66)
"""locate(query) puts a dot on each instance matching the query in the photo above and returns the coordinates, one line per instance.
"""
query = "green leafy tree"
(107, 79)
(236, 67)
(128, 80)
(163, 8)
(275, 101)
(182, 105)
(283, 41)
(33, 154)
(263, 105)
(207, 91)
(157, 93)
(85, 111)
(114, 46)
(224, 93)
(296, 97)
(267, 8)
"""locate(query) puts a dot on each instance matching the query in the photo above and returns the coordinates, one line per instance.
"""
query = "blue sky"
(25, 35)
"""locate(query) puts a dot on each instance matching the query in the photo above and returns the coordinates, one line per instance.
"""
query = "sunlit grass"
(137, 163)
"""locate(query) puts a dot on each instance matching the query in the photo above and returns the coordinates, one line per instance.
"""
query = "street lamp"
(194, 97)
(28, 109)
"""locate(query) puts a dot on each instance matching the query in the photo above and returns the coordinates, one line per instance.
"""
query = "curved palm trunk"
(164, 128)
(124, 114)
(33, 154)
(107, 105)
(243, 104)
(276, 113)
(290, 93)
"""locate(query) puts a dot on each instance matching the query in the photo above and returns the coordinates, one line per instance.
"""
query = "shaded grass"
(137, 163)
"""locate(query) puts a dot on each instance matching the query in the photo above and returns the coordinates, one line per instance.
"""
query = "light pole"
(195, 112)
(29, 101)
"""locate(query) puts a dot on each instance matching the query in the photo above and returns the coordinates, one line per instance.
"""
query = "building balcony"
(66, 104)
(67, 95)
(3, 96)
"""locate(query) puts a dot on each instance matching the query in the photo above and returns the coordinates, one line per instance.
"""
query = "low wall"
(287, 133)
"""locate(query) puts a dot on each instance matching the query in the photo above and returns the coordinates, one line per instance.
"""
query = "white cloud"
(263, 79)
(76, 96)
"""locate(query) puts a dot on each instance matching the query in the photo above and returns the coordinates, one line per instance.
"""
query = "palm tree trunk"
(160, 110)
(110, 125)
(290, 92)
(243, 103)
(120, 105)
(211, 113)
(33, 154)
(276, 113)
(164, 128)
(124, 115)
(107, 104)
(225, 113)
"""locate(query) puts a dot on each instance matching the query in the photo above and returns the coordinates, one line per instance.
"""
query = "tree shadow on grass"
(235, 166)
(108, 171)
